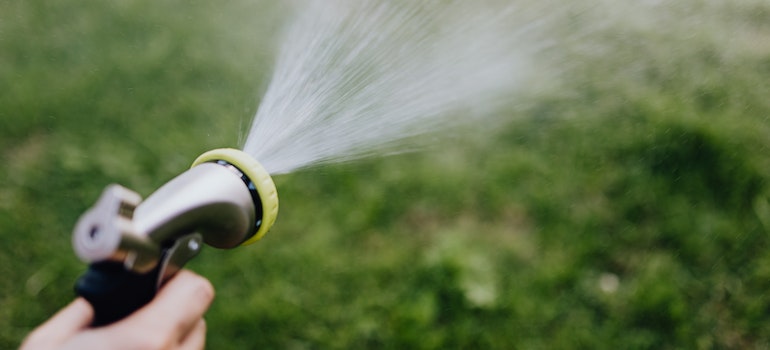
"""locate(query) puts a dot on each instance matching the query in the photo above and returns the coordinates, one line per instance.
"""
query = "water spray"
(227, 199)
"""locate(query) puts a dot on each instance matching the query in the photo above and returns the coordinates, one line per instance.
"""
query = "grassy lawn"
(625, 206)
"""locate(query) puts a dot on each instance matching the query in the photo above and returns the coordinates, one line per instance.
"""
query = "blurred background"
(624, 205)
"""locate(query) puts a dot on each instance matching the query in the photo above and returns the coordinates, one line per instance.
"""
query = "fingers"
(67, 322)
(196, 339)
(177, 309)
(174, 319)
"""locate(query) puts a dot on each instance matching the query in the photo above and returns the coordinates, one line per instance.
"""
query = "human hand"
(172, 320)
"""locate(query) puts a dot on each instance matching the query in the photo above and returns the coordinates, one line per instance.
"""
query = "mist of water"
(358, 78)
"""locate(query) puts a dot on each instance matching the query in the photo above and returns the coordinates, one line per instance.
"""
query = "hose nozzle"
(225, 200)
(226, 196)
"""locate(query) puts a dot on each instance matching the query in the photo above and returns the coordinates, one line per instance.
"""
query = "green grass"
(646, 166)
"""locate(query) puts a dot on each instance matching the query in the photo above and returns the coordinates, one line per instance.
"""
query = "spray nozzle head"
(227, 198)
(258, 181)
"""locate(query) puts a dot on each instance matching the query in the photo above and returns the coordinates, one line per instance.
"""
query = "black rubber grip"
(115, 292)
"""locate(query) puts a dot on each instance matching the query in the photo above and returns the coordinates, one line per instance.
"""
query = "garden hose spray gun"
(225, 200)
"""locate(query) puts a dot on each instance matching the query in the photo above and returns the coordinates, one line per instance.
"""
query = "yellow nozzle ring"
(258, 175)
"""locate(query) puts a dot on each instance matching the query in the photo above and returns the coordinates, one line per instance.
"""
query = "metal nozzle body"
(210, 199)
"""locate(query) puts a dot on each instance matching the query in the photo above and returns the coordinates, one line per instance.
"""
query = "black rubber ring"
(258, 211)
